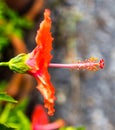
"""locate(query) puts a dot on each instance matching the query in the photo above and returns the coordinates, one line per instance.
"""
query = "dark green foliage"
(13, 116)
(5, 127)
(11, 23)
(5, 97)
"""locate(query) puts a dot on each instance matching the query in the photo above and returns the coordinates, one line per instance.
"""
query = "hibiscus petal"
(44, 41)
(43, 57)
(47, 90)
(39, 60)
(39, 117)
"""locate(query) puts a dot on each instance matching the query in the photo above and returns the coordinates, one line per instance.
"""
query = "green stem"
(4, 63)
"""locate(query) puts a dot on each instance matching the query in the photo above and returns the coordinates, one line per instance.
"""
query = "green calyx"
(18, 63)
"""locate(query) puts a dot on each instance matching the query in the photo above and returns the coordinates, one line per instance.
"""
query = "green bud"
(18, 63)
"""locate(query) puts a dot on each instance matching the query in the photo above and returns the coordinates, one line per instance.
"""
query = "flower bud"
(18, 63)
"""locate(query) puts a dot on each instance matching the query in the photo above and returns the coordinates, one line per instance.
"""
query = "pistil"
(90, 64)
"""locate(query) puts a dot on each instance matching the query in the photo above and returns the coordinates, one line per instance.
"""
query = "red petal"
(39, 117)
(44, 41)
(47, 90)
(39, 60)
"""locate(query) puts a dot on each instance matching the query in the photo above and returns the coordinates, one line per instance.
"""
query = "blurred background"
(81, 29)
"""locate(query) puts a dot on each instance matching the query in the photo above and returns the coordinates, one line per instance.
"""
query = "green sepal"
(18, 63)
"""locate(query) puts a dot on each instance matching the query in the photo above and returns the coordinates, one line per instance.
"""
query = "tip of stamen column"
(101, 63)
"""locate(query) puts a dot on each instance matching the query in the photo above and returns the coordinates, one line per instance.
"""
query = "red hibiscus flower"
(37, 62)
(40, 120)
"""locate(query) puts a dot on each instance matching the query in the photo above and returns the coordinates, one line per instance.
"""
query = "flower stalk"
(4, 63)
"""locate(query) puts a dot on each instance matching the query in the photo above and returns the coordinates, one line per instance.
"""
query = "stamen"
(89, 64)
